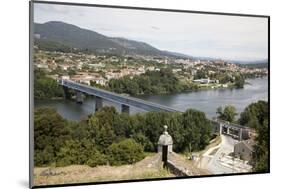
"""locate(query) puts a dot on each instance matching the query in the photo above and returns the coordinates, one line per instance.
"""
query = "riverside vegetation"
(164, 82)
(107, 137)
(151, 82)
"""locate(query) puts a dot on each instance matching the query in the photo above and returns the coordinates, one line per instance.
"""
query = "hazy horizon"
(200, 35)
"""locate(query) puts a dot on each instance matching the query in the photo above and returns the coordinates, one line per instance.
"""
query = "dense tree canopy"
(227, 113)
(151, 82)
(53, 46)
(261, 149)
(124, 152)
(196, 130)
(110, 137)
(80, 152)
(50, 135)
(256, 116)
(45, 87)
(101, 129)
(239, 81)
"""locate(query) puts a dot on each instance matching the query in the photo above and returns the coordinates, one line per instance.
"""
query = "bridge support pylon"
(98, 103)
(227, 130)
(125, 108)
(79, 97)
(240, 134)
(220, 128)
(66, 93)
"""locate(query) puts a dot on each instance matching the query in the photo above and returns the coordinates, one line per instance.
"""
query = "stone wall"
(176, 170)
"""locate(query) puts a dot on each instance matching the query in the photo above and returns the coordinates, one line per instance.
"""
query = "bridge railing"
(216, 120)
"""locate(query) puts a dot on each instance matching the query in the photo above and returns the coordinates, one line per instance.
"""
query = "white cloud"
(194, 34)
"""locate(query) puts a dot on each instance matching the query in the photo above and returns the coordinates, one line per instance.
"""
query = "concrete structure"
(239, 132)
(125, 101)
(65, 77)
(165, 140)
(204, 81)
(79, 97)
(244, 149)
(99, 103)
(66, 93)
(165, 146)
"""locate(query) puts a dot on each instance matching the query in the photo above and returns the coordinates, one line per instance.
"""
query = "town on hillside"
(100, 69)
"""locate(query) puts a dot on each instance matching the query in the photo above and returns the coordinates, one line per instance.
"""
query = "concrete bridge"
(236, 131)
(100, 95)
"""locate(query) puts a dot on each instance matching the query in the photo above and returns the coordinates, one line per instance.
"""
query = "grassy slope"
(145, 169)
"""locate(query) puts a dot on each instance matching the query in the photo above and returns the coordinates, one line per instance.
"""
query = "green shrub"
(50, 135)
(144, 141)
(80, 152)
(45, 87)
(255, 114)
(101, 130)
(196, 130)
(125, 152)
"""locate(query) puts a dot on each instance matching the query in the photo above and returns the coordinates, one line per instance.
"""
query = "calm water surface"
(205, 100)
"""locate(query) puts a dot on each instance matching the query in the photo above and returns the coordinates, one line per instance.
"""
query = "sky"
(204, 35)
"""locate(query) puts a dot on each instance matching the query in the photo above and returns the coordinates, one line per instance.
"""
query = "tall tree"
(80, 152)
(227, 113)
(125, 152)
(45, 87)
(239, 81)
(50, 134)
(196, 130)
(256, 116)
(101, 124)
(261, 149)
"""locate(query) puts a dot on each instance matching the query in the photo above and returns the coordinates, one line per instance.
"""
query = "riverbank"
(204, 100)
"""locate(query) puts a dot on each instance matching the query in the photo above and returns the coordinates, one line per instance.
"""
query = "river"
(204, 100)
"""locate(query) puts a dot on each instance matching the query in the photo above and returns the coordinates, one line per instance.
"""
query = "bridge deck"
(226, 123)
(114, 97)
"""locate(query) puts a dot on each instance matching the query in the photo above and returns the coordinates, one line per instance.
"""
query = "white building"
(43, 66)
(150, 68)
(65, 77)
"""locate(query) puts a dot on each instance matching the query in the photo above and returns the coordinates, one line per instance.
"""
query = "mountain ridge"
(70, 35)
(76, 37)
